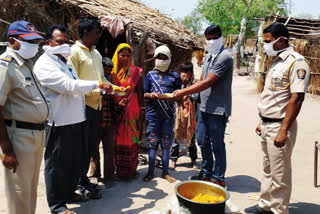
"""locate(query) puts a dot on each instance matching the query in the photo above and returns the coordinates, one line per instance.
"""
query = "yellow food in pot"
(206, 198)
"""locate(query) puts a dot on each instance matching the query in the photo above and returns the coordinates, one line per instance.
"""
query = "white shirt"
(63, 90)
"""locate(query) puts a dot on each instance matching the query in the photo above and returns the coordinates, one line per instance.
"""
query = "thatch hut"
(122, 20)
(305, 37)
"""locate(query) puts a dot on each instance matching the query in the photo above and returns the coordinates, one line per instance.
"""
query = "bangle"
(142, 108)
(100, 84)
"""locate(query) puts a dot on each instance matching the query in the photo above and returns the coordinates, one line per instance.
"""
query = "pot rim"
(202, 182)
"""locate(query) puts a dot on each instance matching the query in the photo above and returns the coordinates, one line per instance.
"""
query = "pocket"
(29, 87)
(279, 80)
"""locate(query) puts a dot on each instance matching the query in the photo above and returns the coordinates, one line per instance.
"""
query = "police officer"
(280, 103)
(23, 113)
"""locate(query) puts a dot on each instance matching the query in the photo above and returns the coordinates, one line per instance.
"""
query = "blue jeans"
(210, 137)
(159, 132)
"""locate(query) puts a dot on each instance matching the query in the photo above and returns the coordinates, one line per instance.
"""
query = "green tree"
(229, 13)
(193, 22)
(234, 16)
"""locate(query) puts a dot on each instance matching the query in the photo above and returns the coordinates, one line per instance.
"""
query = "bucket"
(186, 190)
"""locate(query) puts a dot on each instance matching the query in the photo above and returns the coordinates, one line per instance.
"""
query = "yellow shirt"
(88, 65)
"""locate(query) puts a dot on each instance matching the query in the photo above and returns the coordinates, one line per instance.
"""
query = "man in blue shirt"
(158, 86)
(215, 107)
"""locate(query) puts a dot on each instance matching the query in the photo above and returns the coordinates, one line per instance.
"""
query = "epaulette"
(4, 61)
(299, 58)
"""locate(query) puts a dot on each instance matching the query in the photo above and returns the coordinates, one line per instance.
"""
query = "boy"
(158, 85)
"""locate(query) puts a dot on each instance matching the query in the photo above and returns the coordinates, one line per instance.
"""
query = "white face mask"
(214, 45)
(27, 50)
(63, 50)
(268, 48)
(162, 65)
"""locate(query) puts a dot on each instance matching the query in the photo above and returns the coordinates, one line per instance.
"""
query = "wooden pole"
(316, 148)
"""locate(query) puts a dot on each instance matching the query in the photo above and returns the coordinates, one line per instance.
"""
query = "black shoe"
(256, 210)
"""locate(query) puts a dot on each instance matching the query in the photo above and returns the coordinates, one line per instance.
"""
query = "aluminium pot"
(186, 190)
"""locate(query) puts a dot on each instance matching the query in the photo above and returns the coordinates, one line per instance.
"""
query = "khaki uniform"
(22, 101)
(290, 73)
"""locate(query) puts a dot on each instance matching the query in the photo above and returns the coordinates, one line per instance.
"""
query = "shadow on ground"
(243, 184)
(127, 192)
(303, 207)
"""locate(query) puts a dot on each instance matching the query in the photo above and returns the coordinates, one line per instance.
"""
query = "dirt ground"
(244, 167)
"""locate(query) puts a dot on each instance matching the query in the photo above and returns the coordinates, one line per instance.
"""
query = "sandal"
(79, 198)
(67, 212)
(168, 177)
(148, 177)
(95, 195)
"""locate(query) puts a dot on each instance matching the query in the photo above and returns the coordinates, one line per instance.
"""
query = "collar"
(284, 55)
(20, 61)
(55, 58)
(160, 72)
(84, 47)
(212, 57)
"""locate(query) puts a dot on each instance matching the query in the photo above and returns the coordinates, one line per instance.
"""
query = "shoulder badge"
(301, 73)
(4, 61)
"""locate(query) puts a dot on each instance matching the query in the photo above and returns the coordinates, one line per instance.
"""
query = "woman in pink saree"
(127, 124)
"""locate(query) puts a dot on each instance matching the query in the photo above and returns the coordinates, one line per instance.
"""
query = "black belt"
(27, 125)
(270, 120)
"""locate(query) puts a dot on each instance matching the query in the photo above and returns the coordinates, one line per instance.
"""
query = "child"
(158, 85)
(185, 124)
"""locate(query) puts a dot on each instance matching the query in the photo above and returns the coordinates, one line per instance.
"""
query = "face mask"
(162, 65)
(27, 50)
(63, 50)
(214, 45)
(268, 48)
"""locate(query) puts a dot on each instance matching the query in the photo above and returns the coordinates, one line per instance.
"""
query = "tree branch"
(245, 2)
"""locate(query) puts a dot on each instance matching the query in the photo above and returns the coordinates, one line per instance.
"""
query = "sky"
(180, 8)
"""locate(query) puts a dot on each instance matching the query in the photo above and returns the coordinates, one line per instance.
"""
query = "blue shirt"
(217, 99)
(170, 82)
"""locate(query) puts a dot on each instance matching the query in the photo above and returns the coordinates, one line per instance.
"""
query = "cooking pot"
(186, 190)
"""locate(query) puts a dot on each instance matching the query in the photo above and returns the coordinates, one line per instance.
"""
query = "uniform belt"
(26, 125)
(270, 120)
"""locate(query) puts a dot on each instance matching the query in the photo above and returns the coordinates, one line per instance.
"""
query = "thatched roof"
(161, 28)
(298, 28)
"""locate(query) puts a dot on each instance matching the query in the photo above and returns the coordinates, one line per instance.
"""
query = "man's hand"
(258, 129)
(10, 161)
(107, 87)
(177, 95)
(280, 139)
(123, 102)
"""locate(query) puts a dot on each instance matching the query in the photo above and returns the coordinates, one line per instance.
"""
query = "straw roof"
(298, 28)
(161, 28)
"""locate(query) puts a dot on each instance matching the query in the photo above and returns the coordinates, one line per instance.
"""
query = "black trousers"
(174, 153)
(64, 148)
(92, 132)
